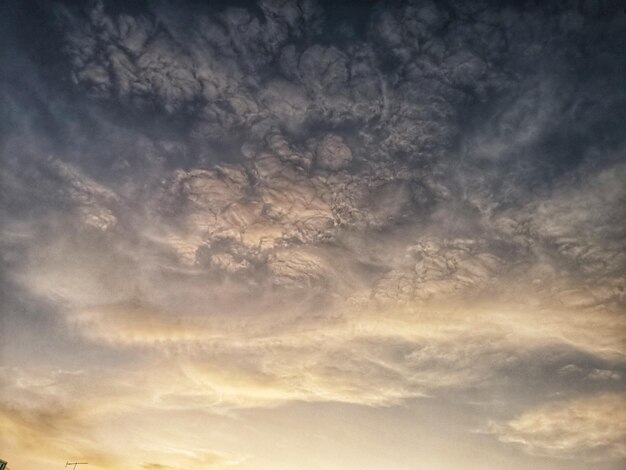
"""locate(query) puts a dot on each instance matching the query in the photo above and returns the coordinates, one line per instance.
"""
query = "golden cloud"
(590, 428)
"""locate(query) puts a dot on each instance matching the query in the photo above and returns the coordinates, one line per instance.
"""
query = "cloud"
(378, 358)
(196, 457)
(592, 428)
(376, 153)
(246, 207)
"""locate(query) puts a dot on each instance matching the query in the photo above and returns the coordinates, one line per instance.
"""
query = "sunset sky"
(313, 235)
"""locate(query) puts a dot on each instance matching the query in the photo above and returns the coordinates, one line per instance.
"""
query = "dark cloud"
(445, 127)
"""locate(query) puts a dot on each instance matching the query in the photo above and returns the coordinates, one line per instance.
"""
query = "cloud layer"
(234, 208)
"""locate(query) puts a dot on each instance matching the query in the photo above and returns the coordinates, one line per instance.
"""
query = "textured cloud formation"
(580, 427)
(226, 208)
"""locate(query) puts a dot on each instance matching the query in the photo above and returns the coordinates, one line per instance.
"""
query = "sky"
(308, 234)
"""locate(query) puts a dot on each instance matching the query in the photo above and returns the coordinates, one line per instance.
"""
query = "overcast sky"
(313, 235)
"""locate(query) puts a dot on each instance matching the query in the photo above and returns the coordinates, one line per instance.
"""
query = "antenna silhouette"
(75, 463)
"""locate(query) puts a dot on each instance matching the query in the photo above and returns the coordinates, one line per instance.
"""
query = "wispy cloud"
(589, 427)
